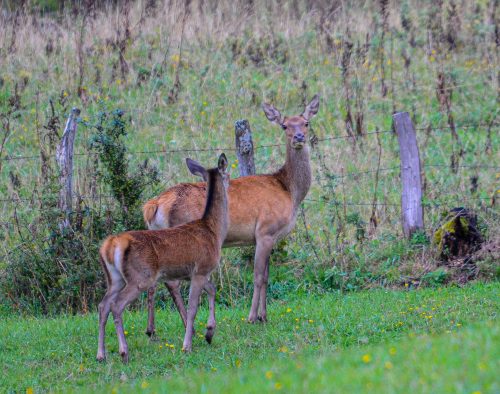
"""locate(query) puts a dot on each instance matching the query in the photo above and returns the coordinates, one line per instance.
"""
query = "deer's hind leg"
(174, 288)
(125, 296)
(104, 309)
(150, 330)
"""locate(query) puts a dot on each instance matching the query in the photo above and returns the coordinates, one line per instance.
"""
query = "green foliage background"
(180, 74)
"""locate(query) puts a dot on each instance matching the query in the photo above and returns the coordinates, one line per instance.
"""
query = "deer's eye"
(283, 126)
(306, 124)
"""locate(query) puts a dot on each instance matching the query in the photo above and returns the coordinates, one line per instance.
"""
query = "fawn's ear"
(272, 113)
(311, 108)
(197, 169)
(222, 165)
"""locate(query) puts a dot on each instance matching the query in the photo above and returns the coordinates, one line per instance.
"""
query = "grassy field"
(354, 305)
(433, 340)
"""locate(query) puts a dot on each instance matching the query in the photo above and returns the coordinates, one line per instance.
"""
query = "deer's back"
(174, 253)
(258, 203)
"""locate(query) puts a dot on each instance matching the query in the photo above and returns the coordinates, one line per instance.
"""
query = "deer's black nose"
(299, 137)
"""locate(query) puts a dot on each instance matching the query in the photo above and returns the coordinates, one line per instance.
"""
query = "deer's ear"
(272, 113)
(197, 169)
(311, 108)
(222, 165)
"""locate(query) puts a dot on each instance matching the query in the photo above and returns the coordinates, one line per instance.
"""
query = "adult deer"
(262, 208)
(134, 260)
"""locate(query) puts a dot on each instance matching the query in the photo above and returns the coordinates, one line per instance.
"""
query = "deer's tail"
(112, 254)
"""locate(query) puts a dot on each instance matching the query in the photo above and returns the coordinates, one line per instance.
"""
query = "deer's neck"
(216, 208)
(296, 173)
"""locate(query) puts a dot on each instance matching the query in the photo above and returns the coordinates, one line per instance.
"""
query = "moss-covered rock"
(459, 235)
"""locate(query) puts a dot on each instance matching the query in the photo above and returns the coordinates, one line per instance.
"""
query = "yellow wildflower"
(388, 365)
(366, 358)
(144, 384)
(278, 386)
(29, 390)
(237, 363)
(269, 374)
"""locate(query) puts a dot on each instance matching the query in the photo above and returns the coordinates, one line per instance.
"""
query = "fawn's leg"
(197, 285)
(150, 330)
(104, 309)
(210, 289)
(262, 252)
(128, 294)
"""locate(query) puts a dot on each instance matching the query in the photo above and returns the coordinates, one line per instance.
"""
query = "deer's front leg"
(210, 289)
(262, 252)
(262, 316)
(197, 284)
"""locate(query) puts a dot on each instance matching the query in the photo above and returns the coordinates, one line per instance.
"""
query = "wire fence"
(341, 176)
(218, 149)
(315, 142)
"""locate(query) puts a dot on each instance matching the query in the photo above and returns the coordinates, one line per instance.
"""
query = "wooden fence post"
(411, 197)
(244, 147)
(64, 158)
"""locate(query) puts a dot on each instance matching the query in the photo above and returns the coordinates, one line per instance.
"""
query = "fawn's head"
(221, 169)
(295, 127)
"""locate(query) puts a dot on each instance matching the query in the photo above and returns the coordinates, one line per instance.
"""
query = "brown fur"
(262, 208)
(134, 260)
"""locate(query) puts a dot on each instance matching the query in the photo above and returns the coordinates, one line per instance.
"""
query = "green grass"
(312, 342)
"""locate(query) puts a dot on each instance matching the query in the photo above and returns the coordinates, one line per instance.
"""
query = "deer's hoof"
(101, 358)
(209, 335)
(124, 357)
(252, 319)
(262, 319)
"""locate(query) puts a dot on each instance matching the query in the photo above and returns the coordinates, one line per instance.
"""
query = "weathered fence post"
(64, 158)
(411, 197)
(244, 147)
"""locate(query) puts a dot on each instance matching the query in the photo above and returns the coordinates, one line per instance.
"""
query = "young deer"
(262, 208)
(133, 261)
